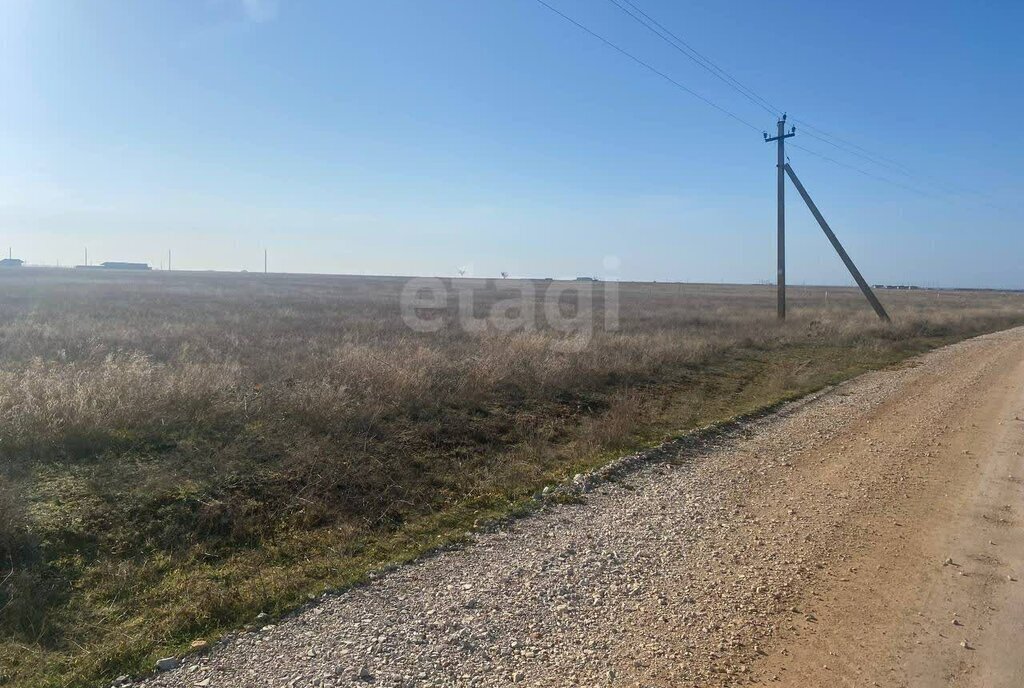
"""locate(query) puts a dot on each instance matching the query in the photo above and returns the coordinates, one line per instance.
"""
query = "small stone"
(199, 645)
(519, 677)
(364, 674)
(168, 663)
(966, 645)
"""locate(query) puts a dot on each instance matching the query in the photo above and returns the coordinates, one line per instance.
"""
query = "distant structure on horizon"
(11, 263)
(116, 265)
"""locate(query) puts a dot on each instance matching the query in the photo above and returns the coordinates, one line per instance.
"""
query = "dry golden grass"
(180, 451)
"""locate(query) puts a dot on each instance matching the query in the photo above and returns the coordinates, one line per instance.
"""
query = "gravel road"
(844, 540)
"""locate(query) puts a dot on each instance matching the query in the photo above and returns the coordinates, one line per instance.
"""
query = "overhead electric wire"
(927, 179)
(860, 152)
(647, 66)
(659, 30)
(810, 131)
(873, 157)
(665, 34)
(864, 172)
(881, 161)
(946, 195)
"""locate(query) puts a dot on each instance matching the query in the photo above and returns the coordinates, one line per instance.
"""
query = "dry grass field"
(181, 451)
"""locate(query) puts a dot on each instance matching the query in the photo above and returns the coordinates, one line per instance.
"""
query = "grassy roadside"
(139, 610)
(179, 456)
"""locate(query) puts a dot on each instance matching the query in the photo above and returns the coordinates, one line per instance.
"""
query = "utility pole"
(264, 261)
(781, 279)
(168, 260)
(87, 256)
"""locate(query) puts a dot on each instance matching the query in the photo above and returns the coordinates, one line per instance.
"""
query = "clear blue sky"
(418, 136)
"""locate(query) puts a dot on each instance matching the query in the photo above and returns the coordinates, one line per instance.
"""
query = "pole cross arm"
(868, 294)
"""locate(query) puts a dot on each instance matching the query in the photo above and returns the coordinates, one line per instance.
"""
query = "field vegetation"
(181, 451)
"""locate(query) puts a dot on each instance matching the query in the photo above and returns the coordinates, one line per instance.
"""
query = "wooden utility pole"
(781, 278)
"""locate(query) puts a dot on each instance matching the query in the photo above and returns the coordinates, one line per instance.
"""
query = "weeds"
(179, 452)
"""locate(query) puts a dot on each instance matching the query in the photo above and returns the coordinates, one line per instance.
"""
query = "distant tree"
(462, 272)
(504, 275)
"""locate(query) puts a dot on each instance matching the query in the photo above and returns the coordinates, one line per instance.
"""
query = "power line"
(881, 162)
(672, 39)
(929, 180)
(659, 30)
(873, 157)
(860, 152)
(864, 172)
(810, 131)
(843, 144)
(647, 66)
(946, 187)
(665, 34)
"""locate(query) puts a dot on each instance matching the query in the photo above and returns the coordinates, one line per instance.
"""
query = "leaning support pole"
(868, 294)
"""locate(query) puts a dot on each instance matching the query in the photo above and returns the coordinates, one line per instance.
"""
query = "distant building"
(117, 265)
(586, 279)
(11, 263)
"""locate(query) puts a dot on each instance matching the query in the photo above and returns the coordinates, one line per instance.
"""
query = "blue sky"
(420, 136)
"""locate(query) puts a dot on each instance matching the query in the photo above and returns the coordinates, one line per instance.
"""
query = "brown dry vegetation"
(181, 451)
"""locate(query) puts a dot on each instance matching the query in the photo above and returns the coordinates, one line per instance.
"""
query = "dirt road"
(871, 535)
